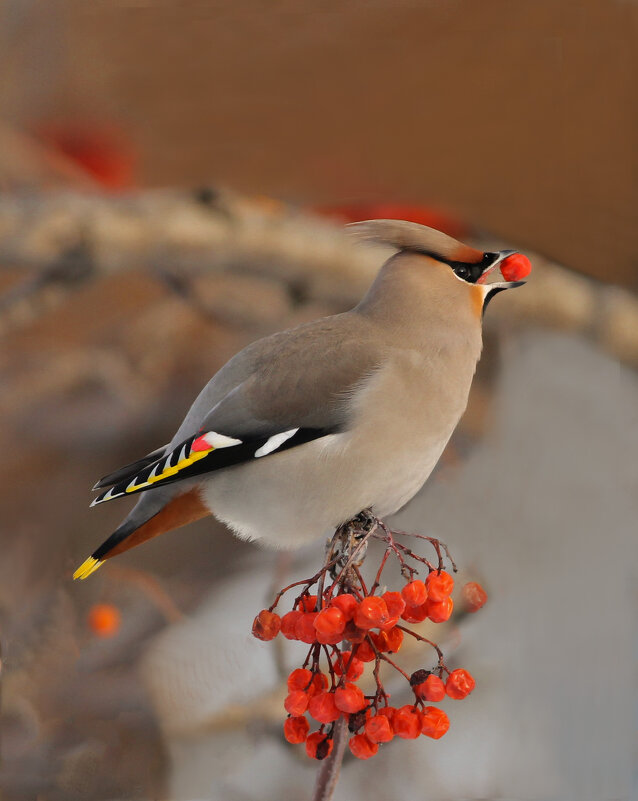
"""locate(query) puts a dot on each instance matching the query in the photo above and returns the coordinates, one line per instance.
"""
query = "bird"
(304, 429)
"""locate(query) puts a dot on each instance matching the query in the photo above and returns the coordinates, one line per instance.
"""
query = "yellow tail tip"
(88, 567)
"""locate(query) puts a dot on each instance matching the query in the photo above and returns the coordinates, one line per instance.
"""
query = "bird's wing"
(298, 388)
(130, 470)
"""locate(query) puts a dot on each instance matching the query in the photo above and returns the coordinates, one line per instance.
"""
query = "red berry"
(289, 622)
(439, 585)
(389, 641)
(104, 620)
(318, 684)
(388, 712)
(414, 593)
(434, 722)
(349, 698)
(395, 603)
(361, 747)
(440, 611)
(432, 689)
(459, 684)
(371, 612)
(299, 679)
(515, 267)
(347, 603)
(296, 729)
(365, 652)
(379, 729)
(318, 746)
(474, 596)
(305, 628)
(296, 702)
(322, 707)
(330, 622)
(353, 666)
(406, 722)
(353, 633)
(266, 625)
(307, 603)
(415, 614)
(329, 639)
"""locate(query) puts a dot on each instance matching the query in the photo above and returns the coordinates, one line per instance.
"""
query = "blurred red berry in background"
(104, 620)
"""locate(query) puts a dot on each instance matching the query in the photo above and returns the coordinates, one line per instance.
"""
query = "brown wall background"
(520, 116)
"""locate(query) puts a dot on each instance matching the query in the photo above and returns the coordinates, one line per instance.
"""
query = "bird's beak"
(505, 284)
(508, 264)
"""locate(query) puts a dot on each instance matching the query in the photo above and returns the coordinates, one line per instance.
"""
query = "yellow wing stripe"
(87, 567)
(170, 471)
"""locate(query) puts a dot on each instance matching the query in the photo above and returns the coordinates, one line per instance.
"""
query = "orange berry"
(289, 622)
(439, 585)
(515, 267)
(305, 628)
(299, 679)
(322, 707)
(395, 603)
(365, 652)
(347, 603)
(440, 611)
(349, 698)
(307, 603)
(104, 620)
(330, 621)
(459, 684)
(296, 703)
(296, 730)
(266, 625)
(414, 593)
(318, 746)
(318, 684)
(434, 722)
(353, 666)
(371, 612)
(353, 633)
(329, 639)
(361, 747)
(406, 722)
(415, 614)
(388, 712)
(379, 729)
(474, 596)
(432, 689)
(389, 641)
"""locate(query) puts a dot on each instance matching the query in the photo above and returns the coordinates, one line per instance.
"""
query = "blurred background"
(174, 177)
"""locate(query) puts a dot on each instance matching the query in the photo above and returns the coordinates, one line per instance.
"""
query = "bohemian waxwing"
(302, 430)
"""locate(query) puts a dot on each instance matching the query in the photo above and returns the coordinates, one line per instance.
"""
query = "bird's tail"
(137, 528)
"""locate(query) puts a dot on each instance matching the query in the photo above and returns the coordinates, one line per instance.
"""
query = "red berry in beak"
(515, 267)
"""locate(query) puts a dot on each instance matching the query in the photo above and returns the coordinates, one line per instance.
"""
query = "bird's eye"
(462, 271)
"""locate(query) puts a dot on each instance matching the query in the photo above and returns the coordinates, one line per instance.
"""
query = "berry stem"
(436, 544)
(381, 693)
(429, 642)
(377, 578)
(394, 665)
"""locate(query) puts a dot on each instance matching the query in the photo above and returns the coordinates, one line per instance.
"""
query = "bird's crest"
(415, 237)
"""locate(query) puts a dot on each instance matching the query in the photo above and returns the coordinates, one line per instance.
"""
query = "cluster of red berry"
(352, 628)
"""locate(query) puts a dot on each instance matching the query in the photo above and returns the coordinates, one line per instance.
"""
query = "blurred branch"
(65, 240)
(328, 774)
(152, 588)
